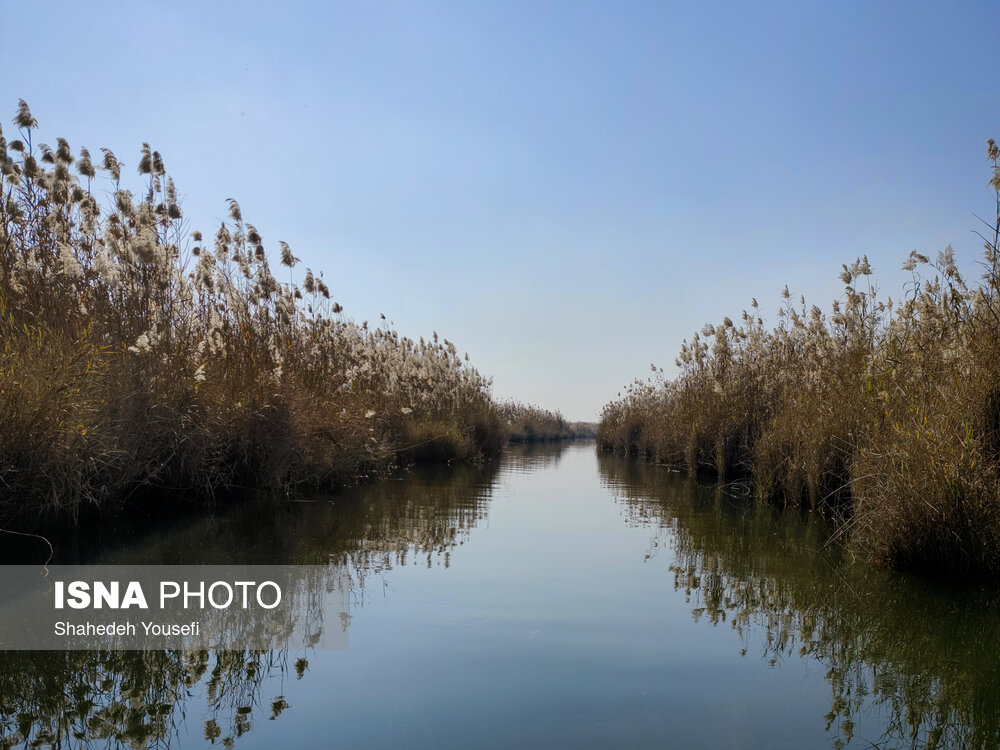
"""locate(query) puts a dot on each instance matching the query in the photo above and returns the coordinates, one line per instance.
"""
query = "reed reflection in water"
(558, 598)
(923, 656)
(147, 699)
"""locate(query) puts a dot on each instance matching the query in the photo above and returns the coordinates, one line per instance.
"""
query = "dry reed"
(887, 410)
(136, 355)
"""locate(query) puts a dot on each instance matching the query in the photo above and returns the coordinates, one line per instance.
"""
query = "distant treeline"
(526, 423)
(137, 355)
(886, 410)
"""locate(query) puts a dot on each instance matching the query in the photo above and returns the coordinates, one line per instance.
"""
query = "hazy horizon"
(564, 190)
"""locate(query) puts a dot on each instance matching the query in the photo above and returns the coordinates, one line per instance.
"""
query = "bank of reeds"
(526, 423)
(888, 409)
(137, 356)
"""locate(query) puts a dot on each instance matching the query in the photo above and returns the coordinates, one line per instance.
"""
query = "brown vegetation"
(135, 355)
(528, 424)
(888, 409)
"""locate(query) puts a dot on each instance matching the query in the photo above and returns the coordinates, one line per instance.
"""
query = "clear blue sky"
(564, 189)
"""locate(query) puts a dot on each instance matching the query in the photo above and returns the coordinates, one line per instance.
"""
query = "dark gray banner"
(255, 607)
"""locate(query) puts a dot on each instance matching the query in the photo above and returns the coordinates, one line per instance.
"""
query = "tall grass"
(526, 423)
(137, 355)
(889, 409)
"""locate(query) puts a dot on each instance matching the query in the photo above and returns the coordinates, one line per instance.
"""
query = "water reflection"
(134, 698)
(522, 458)
(141, 699)
(548, 614)
(424, 512)
(920, 656)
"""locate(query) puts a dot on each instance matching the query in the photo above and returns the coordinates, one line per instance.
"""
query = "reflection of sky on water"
(571, 599)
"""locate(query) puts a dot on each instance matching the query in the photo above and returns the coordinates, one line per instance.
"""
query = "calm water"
(559, 598)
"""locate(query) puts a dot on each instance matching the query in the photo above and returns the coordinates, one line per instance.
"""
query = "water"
(557, 598)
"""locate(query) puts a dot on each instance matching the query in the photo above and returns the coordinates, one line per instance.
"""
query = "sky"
(565, 190)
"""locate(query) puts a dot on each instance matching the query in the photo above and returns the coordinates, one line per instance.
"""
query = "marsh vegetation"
(526, 423)
(885, 411)
(139, 355)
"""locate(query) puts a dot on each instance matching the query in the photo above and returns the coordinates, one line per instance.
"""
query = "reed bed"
(137, 355)
(526, 423)
(886, 411)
